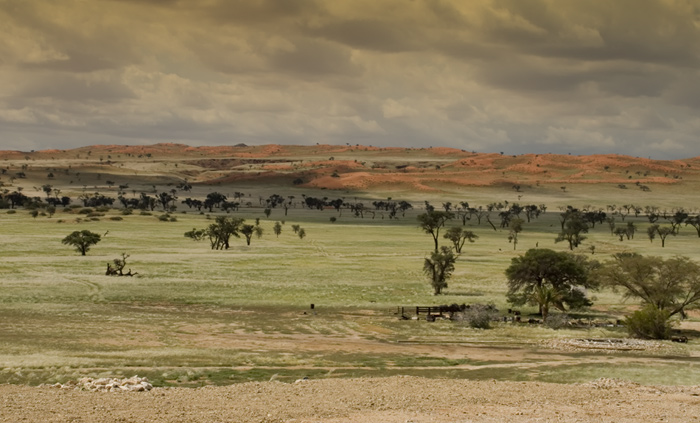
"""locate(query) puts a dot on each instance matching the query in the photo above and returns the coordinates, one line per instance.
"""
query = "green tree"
(277, 229)
(432, 221)
(662, 231)
(670, 284)
(515, 226)
(459, 236)
(248, 231)
(219, 232)
(439, 267)
(82, 240)
(574, 226)
(545, 278)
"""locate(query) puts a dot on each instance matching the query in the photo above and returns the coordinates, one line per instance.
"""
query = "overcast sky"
(518, 76)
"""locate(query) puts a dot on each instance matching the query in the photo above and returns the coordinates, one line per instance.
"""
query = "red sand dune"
(364, 167)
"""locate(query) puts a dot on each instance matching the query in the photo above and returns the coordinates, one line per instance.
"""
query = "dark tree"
(116, 268)
(662, 231)
(573, 228)
(459, 236)
(432, 222)
(439, 267)
(547, 278)
(219, 233)
(277, 229)
(515, 227)
(82, 240)
(248, 231)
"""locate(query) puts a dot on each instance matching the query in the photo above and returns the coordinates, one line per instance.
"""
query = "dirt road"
(395, 399)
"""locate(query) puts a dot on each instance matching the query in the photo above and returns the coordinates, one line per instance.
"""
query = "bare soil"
(395, 399)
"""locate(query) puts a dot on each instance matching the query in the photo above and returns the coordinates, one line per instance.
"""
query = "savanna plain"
(241, 318)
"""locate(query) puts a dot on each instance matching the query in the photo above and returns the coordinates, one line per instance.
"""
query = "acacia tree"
(432, 221)
(545, 278)
(439, 267)
(248, 231)
(277, 229)
(82, 240)
(662, 231)
(219, 232)
(572, 229)
(459, 236)
(669, 285)
(515, 226)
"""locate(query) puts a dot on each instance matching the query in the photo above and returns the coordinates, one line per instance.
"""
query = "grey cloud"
(256, 12)
(314, 58)
(75, 89)
(367, 34)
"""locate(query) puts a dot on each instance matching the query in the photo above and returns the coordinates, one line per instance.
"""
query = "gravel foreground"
(395, 399)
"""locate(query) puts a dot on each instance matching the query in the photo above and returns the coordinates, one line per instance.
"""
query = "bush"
(127, 211)
(11, 211)
(649, 323)
(116, 218)
(86, 210)
(478, 316)
(146, 213)
(556, 321)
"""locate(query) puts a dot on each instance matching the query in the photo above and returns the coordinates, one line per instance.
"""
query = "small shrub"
(95, 214)
(333, 219)
(128, 211)
(556, 321)
(102, 209)
(11, 211)
(146, 213)
(86, 210)
(173, 219)
(164, 217)
(649, 323)
(116, 218)
(478, 316)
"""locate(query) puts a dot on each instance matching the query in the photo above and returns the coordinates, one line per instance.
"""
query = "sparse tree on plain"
(546, 278)
(82, 240)
(670, 284)
(433, 221)
(439, 267)
(459, 237)
(277, 229)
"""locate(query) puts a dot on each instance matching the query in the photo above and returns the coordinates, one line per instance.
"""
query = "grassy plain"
(195, 316)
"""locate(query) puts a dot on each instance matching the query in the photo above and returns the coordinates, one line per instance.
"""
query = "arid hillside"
(349, 168)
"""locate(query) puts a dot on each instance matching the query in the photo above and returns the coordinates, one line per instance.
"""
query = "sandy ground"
(395, 399)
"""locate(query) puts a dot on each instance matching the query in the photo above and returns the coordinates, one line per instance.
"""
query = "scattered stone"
(605, 344)
(132, 384)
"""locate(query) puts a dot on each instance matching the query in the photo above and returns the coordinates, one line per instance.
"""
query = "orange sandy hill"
(364, 167)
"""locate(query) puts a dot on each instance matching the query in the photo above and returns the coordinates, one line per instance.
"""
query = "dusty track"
(395, 399)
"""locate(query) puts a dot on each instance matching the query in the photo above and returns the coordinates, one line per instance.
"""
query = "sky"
(512, 76)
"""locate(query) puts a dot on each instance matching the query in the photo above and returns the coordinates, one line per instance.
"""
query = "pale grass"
(60, 316)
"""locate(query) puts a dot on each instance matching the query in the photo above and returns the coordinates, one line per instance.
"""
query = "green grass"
(196, 316)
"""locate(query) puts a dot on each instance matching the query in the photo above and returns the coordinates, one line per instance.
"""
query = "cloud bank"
(517, 76)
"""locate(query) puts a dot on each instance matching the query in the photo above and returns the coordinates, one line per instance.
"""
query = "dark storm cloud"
(489, 75)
